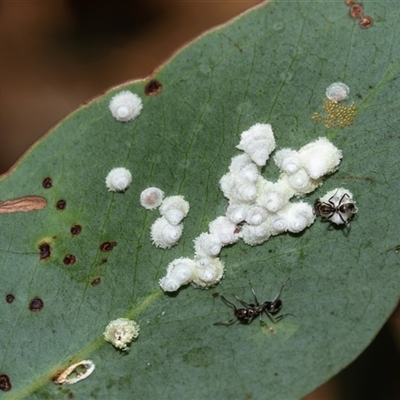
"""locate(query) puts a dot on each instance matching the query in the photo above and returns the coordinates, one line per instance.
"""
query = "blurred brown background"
(57, 54)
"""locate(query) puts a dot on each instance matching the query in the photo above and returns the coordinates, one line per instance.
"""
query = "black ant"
(251, 311)
(344, 209)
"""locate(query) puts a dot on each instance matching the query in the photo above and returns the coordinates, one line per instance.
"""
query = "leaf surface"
(270, 65)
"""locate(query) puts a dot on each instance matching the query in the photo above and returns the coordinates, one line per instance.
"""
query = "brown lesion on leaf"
(337, 115)
(356, 10)
(22, 204)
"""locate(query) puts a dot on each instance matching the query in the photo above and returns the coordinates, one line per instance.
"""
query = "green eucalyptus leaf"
(270, 65)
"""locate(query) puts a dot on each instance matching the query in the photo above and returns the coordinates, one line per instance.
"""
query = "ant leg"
(280, 291)
(243, 302)
(228, 303)
(254, 294)
(230, 322)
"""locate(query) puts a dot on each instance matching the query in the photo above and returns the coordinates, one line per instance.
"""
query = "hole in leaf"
(5, 384)
(153, 88)
(61, 204)
(36, 304)
(107, 246)
(10, 298)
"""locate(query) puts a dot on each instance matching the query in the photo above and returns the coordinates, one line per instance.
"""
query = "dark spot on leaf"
(10, 298)
(61, 204)
(5, 384)
(75, 229)
(356, 10)
(216, 294)
(47, 183)
(153, 88)
(36, 304)
(95, 282)
(365, 22)
(45, 251)
(103, 260)
(69, 259)
(107, 246)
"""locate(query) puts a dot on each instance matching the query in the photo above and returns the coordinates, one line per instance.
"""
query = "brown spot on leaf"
(36, 304)
(61, 204)
(215, 295)
(153, 88)
(365, 22)
(95, 282)
(356, 10)
(22, 204)
(69, 259)
(107, 246)
(10, 298)
(75, 229)
(5, 384)
(47, 183)
(45, 251)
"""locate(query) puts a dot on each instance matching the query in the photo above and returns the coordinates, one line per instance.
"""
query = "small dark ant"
(344, 209)
(251, 311)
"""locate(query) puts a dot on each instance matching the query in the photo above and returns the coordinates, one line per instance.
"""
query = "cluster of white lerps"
(166, 230)
(257, 208)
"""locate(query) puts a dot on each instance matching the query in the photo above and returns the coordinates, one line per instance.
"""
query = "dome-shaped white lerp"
(125, 106)
(337, 91)
(258, 142)
(118, 179)
(165, 235)
(174, 209)
(151, 198)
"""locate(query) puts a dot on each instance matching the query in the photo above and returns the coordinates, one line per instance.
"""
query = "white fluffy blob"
(255, 234)
(236, 213)
(288, 161)
(168, 284)
(258, 142)
(298, 216)
(151, 198)
(301, 182)
(209, 271)
(174, 209)
(225, 230)
(273, 200)
(181, 270)
(207, 245)
(256, 215)
(118, 179)
(320, 157)
(121, 332)
(337, 91)
(244, 168)
(164, 234)
(125, 106)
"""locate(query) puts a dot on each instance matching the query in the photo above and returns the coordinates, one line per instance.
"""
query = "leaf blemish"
(107, 246)
(61, 204)
(75, 229)
(69, 259)
(47, 183)
(45, 251)
(10, 298)
(95, 282)
(36, 304)
(5, 384)
(22, 204)
(153, 88)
